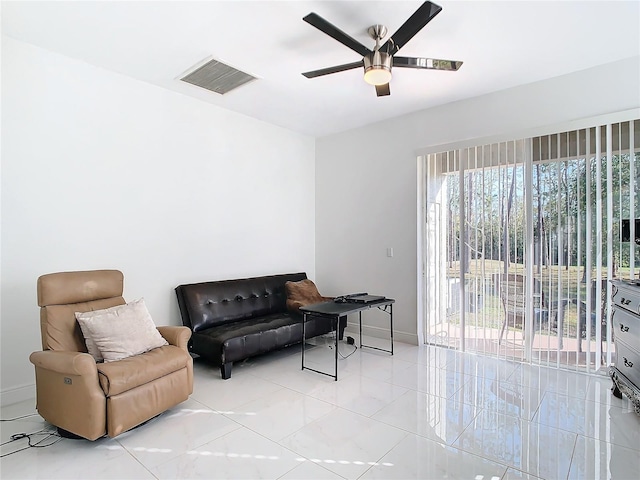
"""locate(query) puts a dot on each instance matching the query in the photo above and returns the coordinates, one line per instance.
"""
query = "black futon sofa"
(232, 320)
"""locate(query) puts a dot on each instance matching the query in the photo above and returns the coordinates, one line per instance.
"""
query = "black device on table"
(363, 297)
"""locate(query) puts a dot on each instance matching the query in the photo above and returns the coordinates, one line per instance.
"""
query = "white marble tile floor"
(423, 413)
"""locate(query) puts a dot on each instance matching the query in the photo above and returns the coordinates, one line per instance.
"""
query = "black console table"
(334, 311)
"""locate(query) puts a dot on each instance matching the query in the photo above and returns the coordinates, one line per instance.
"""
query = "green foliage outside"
(566, 196)
(495, 217)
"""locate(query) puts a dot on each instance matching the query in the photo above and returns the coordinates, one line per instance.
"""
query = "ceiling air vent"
(217, 77)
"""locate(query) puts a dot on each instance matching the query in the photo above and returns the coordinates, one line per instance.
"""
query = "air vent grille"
(217, 77)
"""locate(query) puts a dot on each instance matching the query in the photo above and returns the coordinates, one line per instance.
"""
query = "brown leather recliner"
(91, 399)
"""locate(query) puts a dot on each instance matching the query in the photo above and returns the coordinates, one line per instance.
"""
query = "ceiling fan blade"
(335, 69)
(383, 90)
(429, 63)
(413, 25)
(334, 32)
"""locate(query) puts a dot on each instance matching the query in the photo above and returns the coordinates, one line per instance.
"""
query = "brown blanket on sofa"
(303, 293)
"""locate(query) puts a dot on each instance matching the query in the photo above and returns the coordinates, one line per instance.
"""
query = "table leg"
(388, 312)
(304, 322)
(336, 364)
(391, 325)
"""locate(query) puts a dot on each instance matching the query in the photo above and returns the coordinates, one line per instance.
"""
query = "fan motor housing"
(377, 64)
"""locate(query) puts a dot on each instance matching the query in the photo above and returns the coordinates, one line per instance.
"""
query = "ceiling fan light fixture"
(377, 68)
(378, 61)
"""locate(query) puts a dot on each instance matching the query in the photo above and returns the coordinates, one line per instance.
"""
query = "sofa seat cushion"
(243, 339)
(122, 375)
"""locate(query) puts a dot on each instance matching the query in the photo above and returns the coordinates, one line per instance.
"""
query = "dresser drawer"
(628, 362)
(626, 326)
(626, 296)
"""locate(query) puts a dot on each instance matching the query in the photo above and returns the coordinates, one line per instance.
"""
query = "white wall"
(101, 171)
(366, 194)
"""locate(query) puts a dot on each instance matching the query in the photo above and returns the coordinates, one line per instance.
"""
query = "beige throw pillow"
(92, 348)
(120, 332)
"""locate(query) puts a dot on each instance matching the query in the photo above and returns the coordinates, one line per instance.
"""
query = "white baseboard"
(353, 329)
(17, 394)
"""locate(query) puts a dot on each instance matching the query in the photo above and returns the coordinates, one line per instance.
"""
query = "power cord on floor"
(347, 356)
(17, 418)
(48, 434)
(351, 342)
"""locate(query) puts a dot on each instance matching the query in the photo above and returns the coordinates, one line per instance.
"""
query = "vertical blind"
(521, 238)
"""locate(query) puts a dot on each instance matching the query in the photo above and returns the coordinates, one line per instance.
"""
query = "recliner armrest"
(69, 363)
(175, 335)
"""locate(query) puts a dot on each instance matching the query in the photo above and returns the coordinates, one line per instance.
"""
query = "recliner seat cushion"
(123, 375)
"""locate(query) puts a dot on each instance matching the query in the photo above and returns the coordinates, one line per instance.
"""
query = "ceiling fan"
(377, 63)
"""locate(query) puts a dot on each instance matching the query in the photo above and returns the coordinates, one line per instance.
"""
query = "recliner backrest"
(60, 295)
(209, 304)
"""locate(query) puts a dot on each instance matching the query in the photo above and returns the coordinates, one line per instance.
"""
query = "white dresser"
(625, 321)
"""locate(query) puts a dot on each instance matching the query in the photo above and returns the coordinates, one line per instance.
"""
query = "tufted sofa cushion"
(243, 339)
(210, 304)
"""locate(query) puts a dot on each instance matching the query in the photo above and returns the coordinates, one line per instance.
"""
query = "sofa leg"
(225, 370)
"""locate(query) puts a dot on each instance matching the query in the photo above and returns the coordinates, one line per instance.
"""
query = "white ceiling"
(503, 44)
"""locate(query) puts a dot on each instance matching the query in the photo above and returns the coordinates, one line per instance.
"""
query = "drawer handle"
(627, 363)
(623, 328)
(625, 301)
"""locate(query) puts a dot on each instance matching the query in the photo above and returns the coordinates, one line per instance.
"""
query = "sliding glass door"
(520, 239)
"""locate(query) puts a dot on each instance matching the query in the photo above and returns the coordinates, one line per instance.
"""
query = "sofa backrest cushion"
(209, 304)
